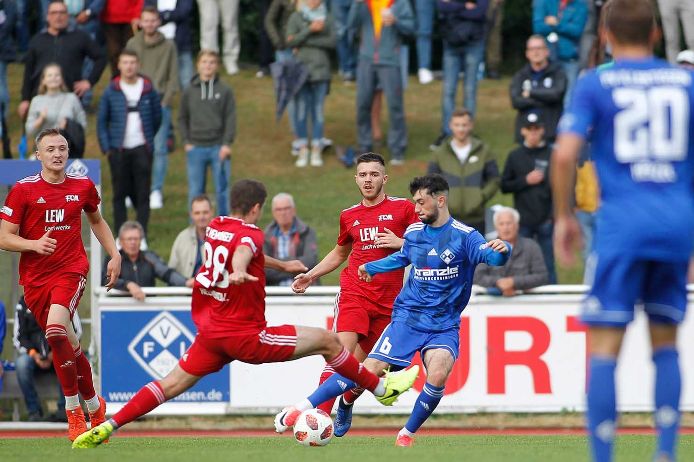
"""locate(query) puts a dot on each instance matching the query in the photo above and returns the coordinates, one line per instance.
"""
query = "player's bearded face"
(425, 207)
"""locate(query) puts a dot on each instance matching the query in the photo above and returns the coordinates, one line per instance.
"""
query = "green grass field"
(363, 449)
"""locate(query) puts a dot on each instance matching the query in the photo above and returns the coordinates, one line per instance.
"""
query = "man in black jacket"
(538, 87)
(34, 357)
(526, 176)
(68, 48)
(141, 268)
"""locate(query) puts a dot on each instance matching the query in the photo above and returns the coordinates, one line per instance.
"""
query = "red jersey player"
(228, 309)
(371, 229)
(42, 218)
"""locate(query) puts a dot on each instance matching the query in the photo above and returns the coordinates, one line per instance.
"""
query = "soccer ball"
(313, 428)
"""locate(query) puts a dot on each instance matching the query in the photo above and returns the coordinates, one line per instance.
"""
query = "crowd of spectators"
(149, 47)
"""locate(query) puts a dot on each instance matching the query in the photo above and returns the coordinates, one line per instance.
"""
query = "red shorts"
(362, 316)
(271, 345)
(65, 290)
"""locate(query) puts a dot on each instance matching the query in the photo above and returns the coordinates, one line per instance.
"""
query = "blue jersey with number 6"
(637, 115)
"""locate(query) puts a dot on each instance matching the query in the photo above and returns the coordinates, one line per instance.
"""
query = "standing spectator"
(288, 238)
(212, 14)
(129, 116)
(524, 270)
(68, 48)
(671, 13)
(539, 87)
(34, 356)
(207, 121)
(526, 177)
(118, 22)
(381, 32)
(84, 15)
(141, 268)
(265, 47)
(424, 11)
(470, 169)
(187, 250)
(53, 106)
(8, 50)
(276, 21)
(685, 58)
(157, 56)
(587, 195)
(175, 18)
(562, 22)
(463, 27)
(311, 33)
(346, 51)
(495, 19)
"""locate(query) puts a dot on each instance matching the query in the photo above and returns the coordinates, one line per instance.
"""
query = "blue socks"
(668, 384)
(427, 401)
(602, 407)
(331, 388)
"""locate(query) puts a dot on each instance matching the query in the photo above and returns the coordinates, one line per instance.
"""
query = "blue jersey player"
(639, 111)
(443, 253)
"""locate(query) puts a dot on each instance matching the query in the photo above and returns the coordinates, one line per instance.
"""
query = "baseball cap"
(532, 118)
(685, 57)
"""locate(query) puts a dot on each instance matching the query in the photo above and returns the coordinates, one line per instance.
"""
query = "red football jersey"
(37, 206)
(359, 225)
(220, 308)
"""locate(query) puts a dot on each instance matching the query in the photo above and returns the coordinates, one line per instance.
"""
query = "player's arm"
(239, 262)
(329, 263)
(392, 262)
(103, 234)
(11, 240)
(563, 173)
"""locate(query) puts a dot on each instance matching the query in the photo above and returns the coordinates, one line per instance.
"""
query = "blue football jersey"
(443, 263)
(637, 115)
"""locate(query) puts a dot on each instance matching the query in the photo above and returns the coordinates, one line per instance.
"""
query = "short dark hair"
(201, 198)
(433, 184)
(245, 194)
(128, 52)
(630, 21)
(462, 112)
(370, 157)
(150, 9)
(47, 132)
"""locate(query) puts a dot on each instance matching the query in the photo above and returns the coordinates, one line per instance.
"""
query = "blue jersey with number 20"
(637, 115)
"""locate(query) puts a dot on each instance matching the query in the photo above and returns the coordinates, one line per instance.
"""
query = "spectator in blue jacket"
(562, 22)
(379, 63)
(176, 26)
(463, 28)
(129, 116)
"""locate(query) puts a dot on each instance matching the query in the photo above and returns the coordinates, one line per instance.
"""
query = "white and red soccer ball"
(313, 428)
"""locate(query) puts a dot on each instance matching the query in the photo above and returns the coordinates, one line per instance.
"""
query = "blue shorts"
(399, 342)
(619, 283)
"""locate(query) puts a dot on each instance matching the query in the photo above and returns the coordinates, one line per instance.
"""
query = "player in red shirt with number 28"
(228, 309)
(42, 219)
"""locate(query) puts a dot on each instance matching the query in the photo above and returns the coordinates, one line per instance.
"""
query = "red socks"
(347, 365)
(149, 397)
(326, 406)
(85, 383)
(64, 360)
(350, 396)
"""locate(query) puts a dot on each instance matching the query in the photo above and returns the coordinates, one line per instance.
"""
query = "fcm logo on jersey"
(159, 345)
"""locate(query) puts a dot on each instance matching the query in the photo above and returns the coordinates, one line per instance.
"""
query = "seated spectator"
(523, 271)
(288, 238)
(65, 46)
(207, 120)
(53, 106)
(538, 87)
(470, 168)
(562, 22)
(142, 268)
(526, 176)
(34, 357)
(187, 250)
(311, 33)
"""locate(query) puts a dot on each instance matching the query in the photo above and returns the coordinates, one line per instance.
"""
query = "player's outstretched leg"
(668, 384)
(602, 407)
